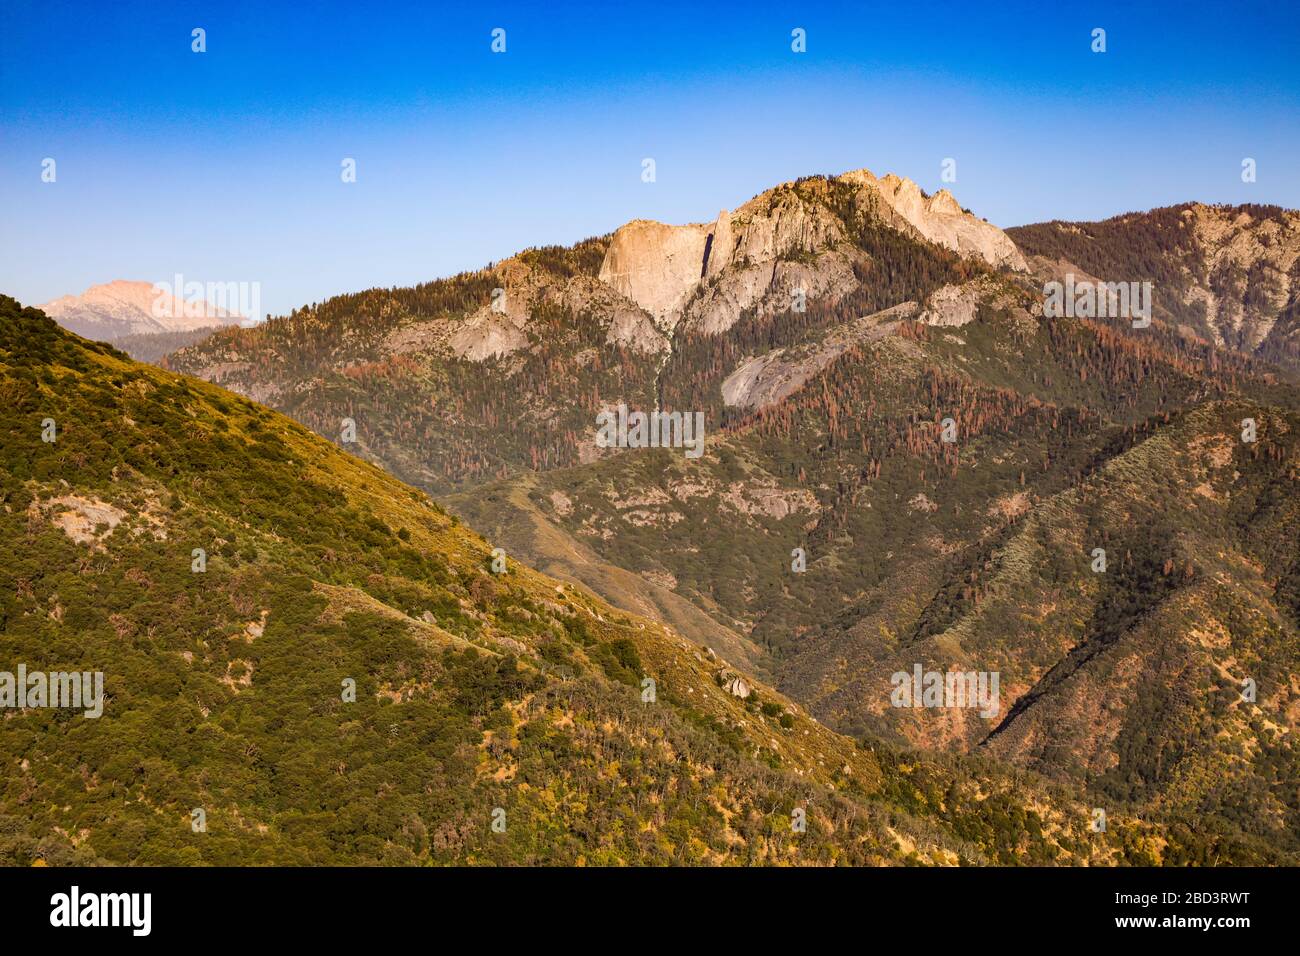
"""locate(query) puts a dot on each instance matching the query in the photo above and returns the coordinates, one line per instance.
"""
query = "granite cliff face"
(941, 220)
(656, 265)
(780, 242)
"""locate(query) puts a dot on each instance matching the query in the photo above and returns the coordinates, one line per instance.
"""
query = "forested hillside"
(975, 554)
(1229, 274)
(886, 402)
(479, 696)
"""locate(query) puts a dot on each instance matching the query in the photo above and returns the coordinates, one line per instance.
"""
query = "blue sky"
(225, 165)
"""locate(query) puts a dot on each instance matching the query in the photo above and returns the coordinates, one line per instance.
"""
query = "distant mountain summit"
(115, 310)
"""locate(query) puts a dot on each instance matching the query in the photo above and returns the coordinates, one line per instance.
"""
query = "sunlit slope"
(479, 697)
(977, 554)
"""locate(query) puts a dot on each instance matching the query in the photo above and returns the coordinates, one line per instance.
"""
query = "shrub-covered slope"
(479, 697)
(1230, 274)
(977, 554)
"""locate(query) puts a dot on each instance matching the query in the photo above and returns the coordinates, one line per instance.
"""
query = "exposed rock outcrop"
(957, 305)
(656, 265)
(707, 274)
(736, 686)
(941, 220)
(120, 308)
(769, 378)
(487, 334)
(952, 305)
(791, 237)
(1227, 274)
(497, 330)
(768, 287)
(1238, 247)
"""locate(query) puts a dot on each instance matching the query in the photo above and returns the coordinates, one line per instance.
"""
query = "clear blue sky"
(225, 165)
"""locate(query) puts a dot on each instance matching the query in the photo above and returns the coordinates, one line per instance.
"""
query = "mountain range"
(142, 319)
(910, 466)
(307, 662)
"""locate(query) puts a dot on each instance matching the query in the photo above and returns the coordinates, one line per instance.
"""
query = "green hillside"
(1227, 273)
(824, 428)
(476, 692)
(976, 554)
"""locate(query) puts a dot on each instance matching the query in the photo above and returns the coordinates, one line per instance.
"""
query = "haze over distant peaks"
(120, 308)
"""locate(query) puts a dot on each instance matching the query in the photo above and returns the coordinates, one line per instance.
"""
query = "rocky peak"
(711, 272)
(662, 267)
(944, 203)
(941, 220)
(123, 307)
